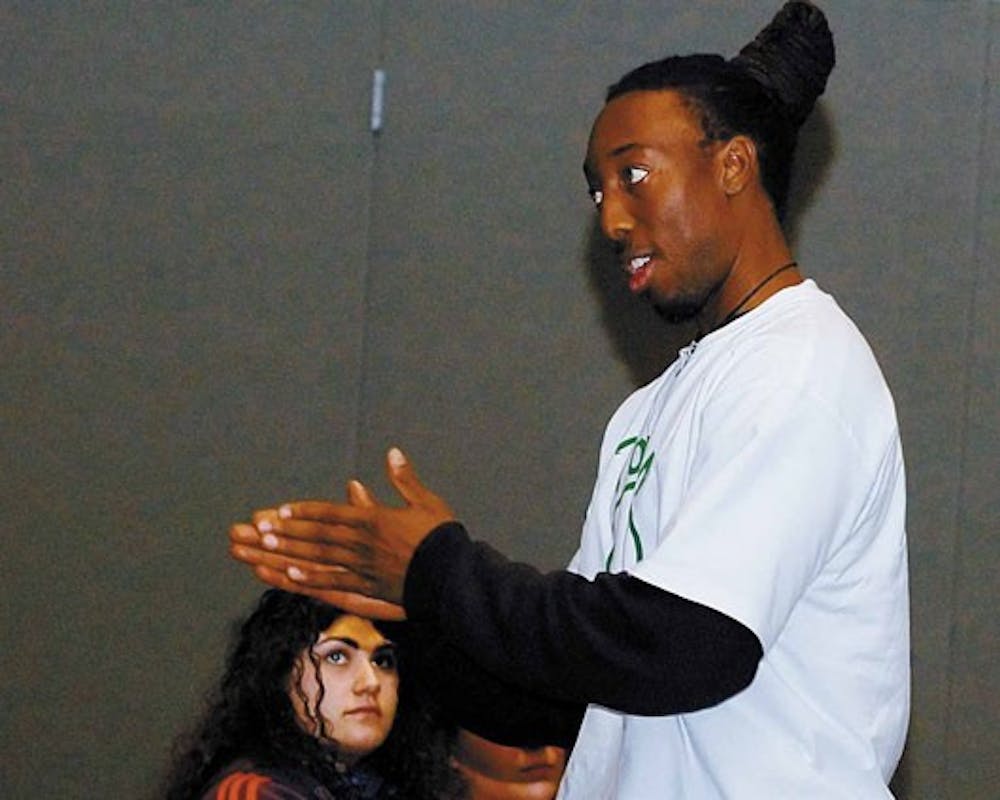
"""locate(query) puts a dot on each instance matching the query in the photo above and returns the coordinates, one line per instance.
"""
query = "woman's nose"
(366, 678)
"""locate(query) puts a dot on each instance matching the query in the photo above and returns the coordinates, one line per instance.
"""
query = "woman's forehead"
(357, 630)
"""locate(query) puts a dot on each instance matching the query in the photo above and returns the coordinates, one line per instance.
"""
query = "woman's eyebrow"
(345, 639)
(383, 645)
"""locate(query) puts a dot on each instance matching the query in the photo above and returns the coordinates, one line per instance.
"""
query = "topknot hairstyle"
(766, 92)
(792, 58)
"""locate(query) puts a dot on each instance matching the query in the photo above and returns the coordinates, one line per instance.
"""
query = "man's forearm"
(615, 641)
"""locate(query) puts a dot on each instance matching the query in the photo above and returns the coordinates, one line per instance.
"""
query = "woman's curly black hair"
(250, 716)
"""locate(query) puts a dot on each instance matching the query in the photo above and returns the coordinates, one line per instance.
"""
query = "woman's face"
(497, 772)
(345, 687)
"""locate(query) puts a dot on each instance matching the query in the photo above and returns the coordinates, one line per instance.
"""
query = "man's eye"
(634, 175)
(597, 196)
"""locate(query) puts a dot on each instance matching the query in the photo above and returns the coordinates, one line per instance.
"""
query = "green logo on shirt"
(631, 481)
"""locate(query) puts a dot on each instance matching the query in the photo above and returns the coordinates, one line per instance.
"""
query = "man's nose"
(616, 221)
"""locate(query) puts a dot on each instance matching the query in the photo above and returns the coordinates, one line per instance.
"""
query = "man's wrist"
(427, 574)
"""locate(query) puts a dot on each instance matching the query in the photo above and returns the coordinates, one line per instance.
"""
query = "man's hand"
(352, 555)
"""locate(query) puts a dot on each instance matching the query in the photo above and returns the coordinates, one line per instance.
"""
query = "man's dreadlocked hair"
(766, 92)
(250, 714)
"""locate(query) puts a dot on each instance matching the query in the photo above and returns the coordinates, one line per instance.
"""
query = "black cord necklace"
(736, 309)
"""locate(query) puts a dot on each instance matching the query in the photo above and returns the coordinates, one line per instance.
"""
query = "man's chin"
(677, 312)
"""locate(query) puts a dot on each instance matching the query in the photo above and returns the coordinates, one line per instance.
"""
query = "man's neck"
(762, 267)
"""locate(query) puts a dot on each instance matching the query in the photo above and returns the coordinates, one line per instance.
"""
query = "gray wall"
(219, 290)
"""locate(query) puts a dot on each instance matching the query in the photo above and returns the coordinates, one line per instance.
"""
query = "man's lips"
(639, 269)
(635, 263)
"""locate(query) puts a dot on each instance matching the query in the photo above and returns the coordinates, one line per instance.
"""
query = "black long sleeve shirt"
(516, 655)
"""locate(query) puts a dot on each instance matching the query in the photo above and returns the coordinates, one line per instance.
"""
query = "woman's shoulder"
(243, 780)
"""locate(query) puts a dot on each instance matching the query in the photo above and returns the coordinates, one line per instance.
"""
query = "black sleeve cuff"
(427, 575)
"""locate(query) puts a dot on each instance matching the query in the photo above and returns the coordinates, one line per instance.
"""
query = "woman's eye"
(385, 660)
(634, 175)
(337, 657)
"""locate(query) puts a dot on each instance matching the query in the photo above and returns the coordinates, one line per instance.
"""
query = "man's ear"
(738, 159)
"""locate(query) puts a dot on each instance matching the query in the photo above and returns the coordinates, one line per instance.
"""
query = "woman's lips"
(365, 711)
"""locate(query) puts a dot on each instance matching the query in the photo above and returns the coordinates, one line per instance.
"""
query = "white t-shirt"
(762, 475)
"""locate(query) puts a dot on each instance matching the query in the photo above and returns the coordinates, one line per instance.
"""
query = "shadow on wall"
(642, 340)
(813, 157)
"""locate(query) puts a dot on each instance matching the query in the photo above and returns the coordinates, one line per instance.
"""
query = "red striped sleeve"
(242, 786)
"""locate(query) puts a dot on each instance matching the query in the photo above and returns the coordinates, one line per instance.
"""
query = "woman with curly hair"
(310, 706)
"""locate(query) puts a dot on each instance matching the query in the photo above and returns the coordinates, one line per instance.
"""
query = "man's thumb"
(403, 476)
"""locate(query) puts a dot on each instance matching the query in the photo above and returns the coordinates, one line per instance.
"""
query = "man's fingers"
(333, 545)
(276, 578)
(302, 573)
(366, 606)
(244, 533)
(256, 557)
(346, 537)
(341, 580)
(348, 601)
(358, 495)
(349, 554)
(318, 511)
